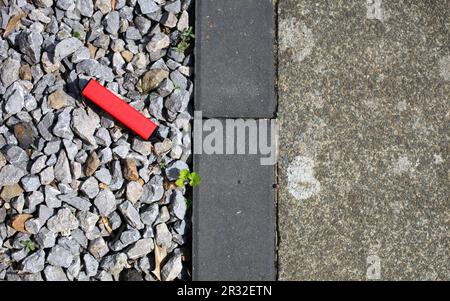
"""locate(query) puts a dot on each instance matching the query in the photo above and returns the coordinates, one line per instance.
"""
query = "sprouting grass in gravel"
(188, 178)
(29, 245)
(186, 38)
(162, 164)
(76, 34)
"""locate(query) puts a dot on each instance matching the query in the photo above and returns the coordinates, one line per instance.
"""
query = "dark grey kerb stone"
(235, 75)
(234, 219)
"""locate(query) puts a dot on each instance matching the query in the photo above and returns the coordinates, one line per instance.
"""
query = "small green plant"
(29, 245)
(162, 164)
(33, 147)
(186, 177)
(186, 38)
(76, 34)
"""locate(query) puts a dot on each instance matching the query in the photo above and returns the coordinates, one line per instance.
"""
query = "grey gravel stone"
(90, 187)
(47, 175)
(52, 273)
(133, 33)
(65, 4)
(114, 264)
(34, 199)
(142, 147)
(9, 71)
(44, 212)
(45, 124)
(66, 47)
(63, 222)
(62, 169)
(163, 147)
(173, 6)
(134, 191)
(131, 215)
(84, 126)
(90, 265)
(103, 137)
(98, 247)
(75, 201)
(148, 6)
(16, 101)
(34, 263)
(62, 127)
(163, 236)
(121, 150)
(103, 5)
(74, 269)
(59, 256)
(149, 214)
(174, 169)
(178, 205)
(126, 238)
(104, 276)
(10, 175)
(103, 176)
(87, 220)
(80, 54)
(51, 199)
(91, 67)
(111, 22)
(156, 106)
(105, 202)
(70, 244)
(15, 155)
(140, 248)
(33, 225)
(117, 177)
(86, 7)
(172, 268)
(30, 43)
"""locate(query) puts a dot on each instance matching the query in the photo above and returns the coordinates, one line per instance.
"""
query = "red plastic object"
(119, 109)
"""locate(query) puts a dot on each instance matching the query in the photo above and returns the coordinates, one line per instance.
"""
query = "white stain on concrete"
(296, 37)
(402, 165)
(373, 267)
(375, 10)
(444, 67)
(301, 181)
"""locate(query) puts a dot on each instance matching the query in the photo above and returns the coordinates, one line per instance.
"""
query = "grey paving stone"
(364, 140)
(234, 59)
(234, 218)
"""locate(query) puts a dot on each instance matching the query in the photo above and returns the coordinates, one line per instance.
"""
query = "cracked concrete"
(364, 103)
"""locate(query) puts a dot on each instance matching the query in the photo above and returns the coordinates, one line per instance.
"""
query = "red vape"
(119, 109)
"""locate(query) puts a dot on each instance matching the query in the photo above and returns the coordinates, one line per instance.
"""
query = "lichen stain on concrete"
(375, 10)
(437, 159)
(296, 39)
(444, 67)
(301, 181)
(402, 106)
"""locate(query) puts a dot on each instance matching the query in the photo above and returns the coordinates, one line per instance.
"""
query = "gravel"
(98, 197)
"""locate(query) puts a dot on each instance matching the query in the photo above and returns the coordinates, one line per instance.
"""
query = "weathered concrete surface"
(364, 113)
